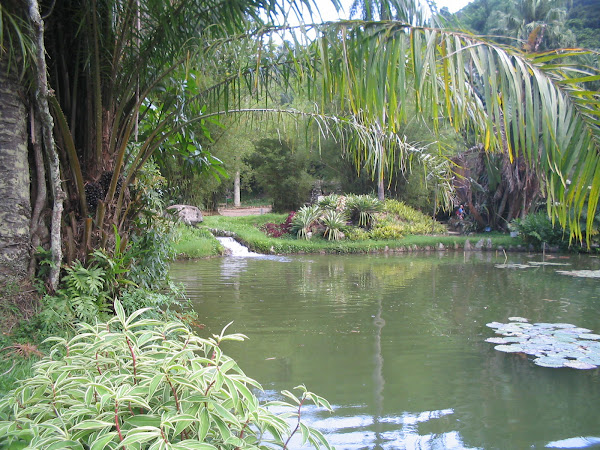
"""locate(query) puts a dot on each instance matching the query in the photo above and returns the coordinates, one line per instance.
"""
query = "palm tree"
(538, 24)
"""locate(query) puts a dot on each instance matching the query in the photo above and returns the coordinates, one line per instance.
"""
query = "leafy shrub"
(362, 209)
(152, 251)
(335, 223)
(304, 219)
(132, 383)
(159, 304)
(131, 269)
(357, 234)
(278, 230)
(391, 231)
(537, 228)
(409, 219)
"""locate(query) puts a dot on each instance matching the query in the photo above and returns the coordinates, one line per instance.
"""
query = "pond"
(396, 343)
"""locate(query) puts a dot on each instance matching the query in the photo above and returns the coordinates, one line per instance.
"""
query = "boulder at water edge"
(190, 215)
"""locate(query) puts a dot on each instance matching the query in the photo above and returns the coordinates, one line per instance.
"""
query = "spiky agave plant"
(304, 219)
(335, 222)
(330, 202)
(362, 209)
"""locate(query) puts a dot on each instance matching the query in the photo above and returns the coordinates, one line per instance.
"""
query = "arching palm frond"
(533, 106)
(16, 46)
(549, 116)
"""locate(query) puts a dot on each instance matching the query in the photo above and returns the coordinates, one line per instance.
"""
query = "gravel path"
(235, 212)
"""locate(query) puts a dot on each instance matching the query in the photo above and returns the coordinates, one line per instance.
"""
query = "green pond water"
(397, 344)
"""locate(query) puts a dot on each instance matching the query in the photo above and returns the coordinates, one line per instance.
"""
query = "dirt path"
(235, 212)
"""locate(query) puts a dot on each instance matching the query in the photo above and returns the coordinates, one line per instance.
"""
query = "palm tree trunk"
(236, 190)
(15, 204)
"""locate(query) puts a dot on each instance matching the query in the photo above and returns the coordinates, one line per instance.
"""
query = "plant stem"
(285, 446)
(117, 420)
(133, 358)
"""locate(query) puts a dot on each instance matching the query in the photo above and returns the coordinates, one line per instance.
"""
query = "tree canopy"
(128, 81)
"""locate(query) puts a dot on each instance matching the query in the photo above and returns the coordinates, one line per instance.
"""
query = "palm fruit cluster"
(94, 194)
(95, 191)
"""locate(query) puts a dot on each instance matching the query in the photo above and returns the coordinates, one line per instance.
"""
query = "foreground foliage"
(133, 383)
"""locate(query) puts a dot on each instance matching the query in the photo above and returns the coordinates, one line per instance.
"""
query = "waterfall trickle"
(236, 248)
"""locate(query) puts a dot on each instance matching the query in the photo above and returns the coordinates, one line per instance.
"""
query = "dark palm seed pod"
(93, 195)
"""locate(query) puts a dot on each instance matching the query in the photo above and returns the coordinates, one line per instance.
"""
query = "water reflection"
(397, 344)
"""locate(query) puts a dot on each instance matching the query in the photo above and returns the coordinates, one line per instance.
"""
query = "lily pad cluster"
(581, 273)
(552, 344)
(528, 265)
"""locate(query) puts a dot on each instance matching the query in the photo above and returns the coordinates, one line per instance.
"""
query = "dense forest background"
(533, 26)
(582, 18)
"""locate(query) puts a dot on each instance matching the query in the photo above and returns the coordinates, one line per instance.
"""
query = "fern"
(81, 280)
(85, 307)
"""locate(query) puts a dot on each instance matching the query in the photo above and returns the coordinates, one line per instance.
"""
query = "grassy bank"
(196, 243)
(247, 230)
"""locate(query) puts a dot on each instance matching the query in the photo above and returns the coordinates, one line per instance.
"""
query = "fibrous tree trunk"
(15, 205)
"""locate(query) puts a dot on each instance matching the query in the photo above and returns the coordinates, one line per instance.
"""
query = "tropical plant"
(335, 223)
(362, 209)
(537, 229)
(397, 211)
(142, 383)
(331, 202)
(357, 234)
(129, 269)
(304, 219)
(387, 232)
(539, 24)
(545, 112)
(84, 297)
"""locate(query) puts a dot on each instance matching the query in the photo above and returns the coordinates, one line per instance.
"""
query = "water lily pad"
(548, 361)
(553, 344)
(563, 337)
(566, 346)
(578, 364)
(593, 359)
(544, 325)
(544, 263)
(591, 336)
(512, 266)
(518, 319)
(542, 340)
(580, 273)
(513, 348)
(580, 330)
(506, 340)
